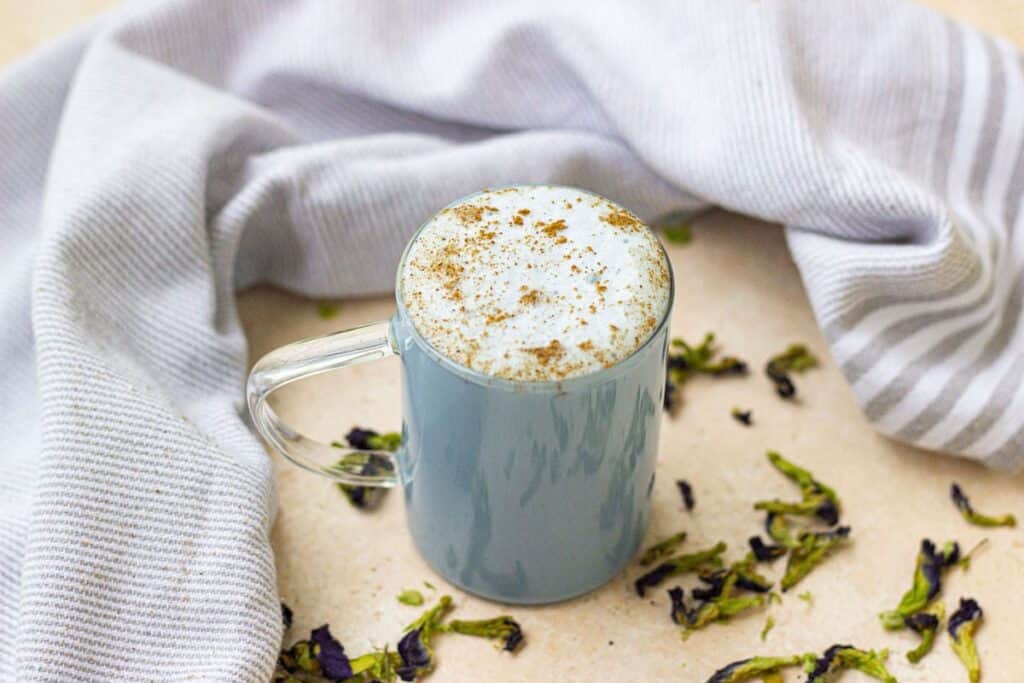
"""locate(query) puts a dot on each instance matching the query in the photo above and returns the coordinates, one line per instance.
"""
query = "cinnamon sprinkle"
(621, 218)
(554, 227)
(546, 354)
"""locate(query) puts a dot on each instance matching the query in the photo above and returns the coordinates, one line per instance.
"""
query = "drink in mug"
(532, 330)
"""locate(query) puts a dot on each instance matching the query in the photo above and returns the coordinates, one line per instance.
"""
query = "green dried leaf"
(769, 624)
(811, 550)
(429, 622)
(662, 549)
(777, 528)
(411, 597)
(927, 623)
(754, 667)
(807, 597)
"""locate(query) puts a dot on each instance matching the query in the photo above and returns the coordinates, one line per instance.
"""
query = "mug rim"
(531, 386)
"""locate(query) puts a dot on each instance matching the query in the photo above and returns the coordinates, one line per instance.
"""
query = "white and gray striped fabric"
(172, 152)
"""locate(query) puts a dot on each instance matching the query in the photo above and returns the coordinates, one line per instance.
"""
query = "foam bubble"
(535, 283)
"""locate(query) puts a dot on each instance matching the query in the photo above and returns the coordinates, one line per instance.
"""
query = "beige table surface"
(344, 567)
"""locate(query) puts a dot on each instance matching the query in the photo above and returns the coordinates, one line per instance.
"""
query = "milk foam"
(535, 283)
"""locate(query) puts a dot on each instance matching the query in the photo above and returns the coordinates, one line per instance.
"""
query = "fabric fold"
(175, 151)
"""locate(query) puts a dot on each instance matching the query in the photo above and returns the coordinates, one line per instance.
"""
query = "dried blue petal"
(744, 417)
(330, 655)
(360, 438)
(686, 491)
(962, 626)
(286, 616)
(715, 582)
(415, 655)
(671, 400)
(679, 613)
(765, 552)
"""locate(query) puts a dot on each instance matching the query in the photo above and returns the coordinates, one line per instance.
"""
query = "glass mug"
(522, 492)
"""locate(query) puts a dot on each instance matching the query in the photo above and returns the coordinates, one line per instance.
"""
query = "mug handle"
(304, 359)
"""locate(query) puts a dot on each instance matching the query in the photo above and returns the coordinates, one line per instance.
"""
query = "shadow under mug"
(520, 492)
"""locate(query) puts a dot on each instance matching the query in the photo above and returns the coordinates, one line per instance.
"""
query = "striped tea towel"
(171, 152)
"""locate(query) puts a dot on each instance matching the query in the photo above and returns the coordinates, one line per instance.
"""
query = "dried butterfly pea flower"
(417, 658)
(686, 491)
(964, 505)
(747, 577)
(841, 657)
(671, 401)
(961, 627)
(369, 440)
(819, 499)
(718, 603)
(714, 582)
(926, 623)
(719, 609)
(754, 667)
(692, 360)
(817, 505)
(926, 584)
(679, 613)
(503, 629)
(744, 417)
(709, 558)
(430, 621)
(796, 358)
(286, 616)
(765, 552)
(411, 597)
(811, 550)
(367, 464)
(662, 549)
(321, 658)
(769, 624)
(330, 655)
